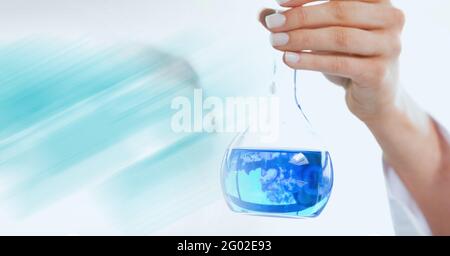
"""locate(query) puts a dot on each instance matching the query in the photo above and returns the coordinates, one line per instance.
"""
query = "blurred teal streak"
(78, 116)
(166, 186)
(95, 119)
(35, 85)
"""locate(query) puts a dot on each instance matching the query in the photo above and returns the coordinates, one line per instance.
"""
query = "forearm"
(413, 146)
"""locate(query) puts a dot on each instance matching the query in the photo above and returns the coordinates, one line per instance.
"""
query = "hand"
(356, 44)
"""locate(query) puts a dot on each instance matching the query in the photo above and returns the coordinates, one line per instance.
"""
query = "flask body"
(291, 176)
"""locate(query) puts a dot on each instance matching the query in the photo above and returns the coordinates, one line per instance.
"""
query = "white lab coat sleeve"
(407, 217)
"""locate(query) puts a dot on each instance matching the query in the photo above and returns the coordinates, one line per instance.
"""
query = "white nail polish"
(282, 1)
(275, 20)
(279, 39)
(292, 57)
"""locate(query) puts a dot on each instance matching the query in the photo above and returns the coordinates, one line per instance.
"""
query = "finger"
(335, 13)
(265, 13)
(295, 3)
(336, 39)
(351, 67)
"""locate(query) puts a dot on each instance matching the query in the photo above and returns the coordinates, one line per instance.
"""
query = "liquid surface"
(278, 182)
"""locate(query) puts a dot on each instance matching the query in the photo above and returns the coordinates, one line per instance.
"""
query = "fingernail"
(292, 57)
(282, 1)
(279, 39)
(275, 20)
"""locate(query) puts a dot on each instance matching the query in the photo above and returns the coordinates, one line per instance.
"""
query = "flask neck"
(283, 84)
(285, 88)
(292, 128)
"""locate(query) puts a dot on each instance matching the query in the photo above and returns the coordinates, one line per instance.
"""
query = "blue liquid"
(277, 182)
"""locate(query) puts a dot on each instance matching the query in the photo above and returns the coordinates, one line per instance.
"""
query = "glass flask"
(291, 176)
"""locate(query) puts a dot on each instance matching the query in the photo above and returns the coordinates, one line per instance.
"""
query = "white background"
(359, 203)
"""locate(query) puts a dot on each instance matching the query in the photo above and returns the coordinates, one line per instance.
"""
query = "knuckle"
(338, 10)
(304, 39)
(342, 38)
(392, 45)
(398, 17)
(340, 65)
(397, 46)
(300, 15)
(379, 72)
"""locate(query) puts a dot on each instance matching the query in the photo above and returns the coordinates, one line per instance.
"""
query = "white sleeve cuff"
(406, 215)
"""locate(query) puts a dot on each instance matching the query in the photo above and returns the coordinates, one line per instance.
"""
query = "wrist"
(383, 115)
(406, 133)
(402, 114)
